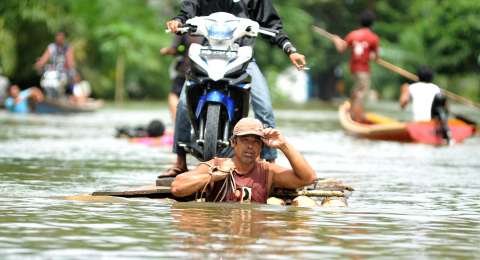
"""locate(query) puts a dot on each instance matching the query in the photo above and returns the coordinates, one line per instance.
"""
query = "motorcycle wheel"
(211, 132)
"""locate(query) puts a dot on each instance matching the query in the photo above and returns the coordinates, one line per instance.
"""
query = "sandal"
(172, 172)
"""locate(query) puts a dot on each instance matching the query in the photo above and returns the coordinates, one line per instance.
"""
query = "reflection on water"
(411, 201)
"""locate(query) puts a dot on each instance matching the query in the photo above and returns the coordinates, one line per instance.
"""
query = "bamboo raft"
(322, 188)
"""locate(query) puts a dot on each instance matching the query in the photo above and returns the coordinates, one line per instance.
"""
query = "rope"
(228, 185)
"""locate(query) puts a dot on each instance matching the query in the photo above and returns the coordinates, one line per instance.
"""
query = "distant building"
(294, 85)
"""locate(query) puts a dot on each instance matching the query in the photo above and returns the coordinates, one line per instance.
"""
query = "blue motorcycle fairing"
(217, 97)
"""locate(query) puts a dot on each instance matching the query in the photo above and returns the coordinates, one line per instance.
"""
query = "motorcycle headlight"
(221, 31)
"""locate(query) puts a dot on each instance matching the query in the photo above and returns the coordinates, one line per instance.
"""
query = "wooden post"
(120, 79)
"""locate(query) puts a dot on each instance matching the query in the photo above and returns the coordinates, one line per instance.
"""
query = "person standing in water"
(363, 44)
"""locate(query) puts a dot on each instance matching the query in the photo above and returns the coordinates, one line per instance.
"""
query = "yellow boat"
(388, 129)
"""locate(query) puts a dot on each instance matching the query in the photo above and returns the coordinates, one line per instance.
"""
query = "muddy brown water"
(411, 201)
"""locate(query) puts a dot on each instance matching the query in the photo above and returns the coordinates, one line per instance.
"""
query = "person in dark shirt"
(264, 13)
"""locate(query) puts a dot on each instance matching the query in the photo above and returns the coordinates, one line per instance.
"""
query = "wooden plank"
(152, 191)
(164, 192)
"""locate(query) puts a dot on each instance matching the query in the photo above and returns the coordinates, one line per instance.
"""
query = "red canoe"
(384, 128)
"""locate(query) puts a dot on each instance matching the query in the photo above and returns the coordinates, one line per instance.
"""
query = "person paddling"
(428, 101)
(245, 177)
(363, 43)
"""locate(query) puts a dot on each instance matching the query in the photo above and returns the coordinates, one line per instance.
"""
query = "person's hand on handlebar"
(173, 25)
(298, 60)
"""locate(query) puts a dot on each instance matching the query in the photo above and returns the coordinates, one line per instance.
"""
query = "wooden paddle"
(401, 71)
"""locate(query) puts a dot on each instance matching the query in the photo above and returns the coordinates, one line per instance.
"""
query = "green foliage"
(7, 50)
(442, 34)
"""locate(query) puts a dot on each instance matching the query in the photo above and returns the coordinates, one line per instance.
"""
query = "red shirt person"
(364, 47)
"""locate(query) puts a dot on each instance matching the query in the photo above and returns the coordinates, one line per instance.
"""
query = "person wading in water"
(245, 177)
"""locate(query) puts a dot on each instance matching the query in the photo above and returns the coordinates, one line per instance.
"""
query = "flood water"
(411, 201)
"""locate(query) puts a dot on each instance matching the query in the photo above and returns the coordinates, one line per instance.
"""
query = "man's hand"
(298, 60)
(273, 138)
(173, 25)
(38, 66)
(168, 51)
(222, 172)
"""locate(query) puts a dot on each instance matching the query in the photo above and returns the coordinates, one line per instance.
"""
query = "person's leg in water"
(262, 105)
(362, 84)
(174, 95)
(172, 105)
(181, 134)
(440, 112)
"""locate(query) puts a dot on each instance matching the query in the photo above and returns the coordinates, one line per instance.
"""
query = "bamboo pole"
(391, 67)
(402, 72)
(308, 193)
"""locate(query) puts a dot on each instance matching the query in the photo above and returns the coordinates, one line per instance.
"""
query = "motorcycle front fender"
(216, 96)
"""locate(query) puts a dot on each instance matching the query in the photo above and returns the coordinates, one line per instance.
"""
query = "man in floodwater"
(245, 177)
(428, 101)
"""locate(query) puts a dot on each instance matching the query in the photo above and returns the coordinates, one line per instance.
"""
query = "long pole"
(401, 71)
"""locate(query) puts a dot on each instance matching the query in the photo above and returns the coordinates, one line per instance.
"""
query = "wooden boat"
(64, 107)
(384, 128)
(323, 188)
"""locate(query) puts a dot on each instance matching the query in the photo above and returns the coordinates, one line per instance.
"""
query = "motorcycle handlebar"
(192, 28)
(269, 32)
(184, 29)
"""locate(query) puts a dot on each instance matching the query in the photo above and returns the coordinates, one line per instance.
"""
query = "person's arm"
(265, 14)
(70, 58)
(340, 44)
(173, 49)
(301, 173)
(188, 9)
(9, 103)
(190, 182)
(404, 95)
(36, 94)
(43, 60)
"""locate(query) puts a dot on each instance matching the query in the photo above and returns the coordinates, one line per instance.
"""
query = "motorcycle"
(218, 87)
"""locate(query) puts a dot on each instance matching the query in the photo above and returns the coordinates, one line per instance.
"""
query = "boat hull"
(383, 128)
(58, 107)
